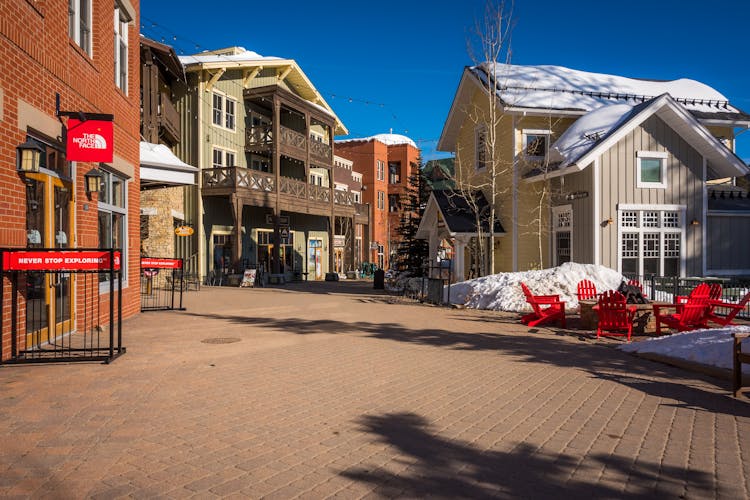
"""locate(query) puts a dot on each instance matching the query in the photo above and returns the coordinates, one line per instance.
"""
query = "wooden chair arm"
(547, 298)
(720, 303)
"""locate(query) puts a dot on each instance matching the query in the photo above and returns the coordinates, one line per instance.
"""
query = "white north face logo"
(90, 141)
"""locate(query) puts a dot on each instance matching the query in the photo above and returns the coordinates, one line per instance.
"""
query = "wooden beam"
(214, 78)
(285, 73)
(248, 76)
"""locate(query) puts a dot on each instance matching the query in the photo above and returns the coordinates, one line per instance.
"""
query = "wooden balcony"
(293, 143)
(294, 195)
(259, 138)
(321, 151)
(169, 119)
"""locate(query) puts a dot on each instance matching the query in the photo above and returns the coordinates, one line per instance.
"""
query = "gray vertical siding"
(729, 248)
(684, 186)
(583, 241)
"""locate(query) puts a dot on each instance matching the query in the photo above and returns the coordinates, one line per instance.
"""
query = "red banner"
(90, 140)
(156, 263)
(71, 260)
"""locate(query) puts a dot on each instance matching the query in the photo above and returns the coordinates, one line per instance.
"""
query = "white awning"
(160, 167)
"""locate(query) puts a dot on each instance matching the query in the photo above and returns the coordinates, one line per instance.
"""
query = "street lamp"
(28, 157)
(93, 179)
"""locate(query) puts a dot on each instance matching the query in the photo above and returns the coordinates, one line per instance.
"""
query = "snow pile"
(587, 131)
(502, 292)
(236, 55)
(705, 347)
(557, 87)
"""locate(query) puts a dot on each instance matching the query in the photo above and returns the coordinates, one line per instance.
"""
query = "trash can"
(378, 281)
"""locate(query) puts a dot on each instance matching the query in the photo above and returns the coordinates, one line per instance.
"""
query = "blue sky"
(396, 64)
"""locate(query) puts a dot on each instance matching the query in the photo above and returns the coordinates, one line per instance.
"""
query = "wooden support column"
(237, 206)
(353, 245)
(332, 222)
(276, 268)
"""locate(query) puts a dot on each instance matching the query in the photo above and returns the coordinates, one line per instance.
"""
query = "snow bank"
(705, 347)
(502, 292)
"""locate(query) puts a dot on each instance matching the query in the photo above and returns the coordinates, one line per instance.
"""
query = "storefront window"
(112, 218)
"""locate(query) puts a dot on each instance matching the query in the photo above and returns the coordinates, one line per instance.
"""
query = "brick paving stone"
(332, 394)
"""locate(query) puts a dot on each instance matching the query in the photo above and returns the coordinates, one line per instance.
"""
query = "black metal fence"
(64, 305)
(430, 287)
(162, 284)
(666, 288)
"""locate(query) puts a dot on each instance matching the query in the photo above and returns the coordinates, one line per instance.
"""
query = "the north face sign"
(90, 140)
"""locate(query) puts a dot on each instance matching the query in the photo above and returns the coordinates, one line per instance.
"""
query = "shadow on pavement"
(600, 361)
(444, 468)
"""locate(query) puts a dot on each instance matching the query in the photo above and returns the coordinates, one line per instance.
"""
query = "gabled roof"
(166, 56)
(601, 129)
(241, 58)
(459, 214)
(560, 91)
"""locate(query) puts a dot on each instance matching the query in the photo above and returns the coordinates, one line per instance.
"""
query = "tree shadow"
(444, 468)
(598, 360)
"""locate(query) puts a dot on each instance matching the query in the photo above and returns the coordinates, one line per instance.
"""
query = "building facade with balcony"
(164, 177)
(385, 162)
(263, 138)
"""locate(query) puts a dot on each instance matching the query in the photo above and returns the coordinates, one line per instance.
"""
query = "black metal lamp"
(29, 156)
(93, 181)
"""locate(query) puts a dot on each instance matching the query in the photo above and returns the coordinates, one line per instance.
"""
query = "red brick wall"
(39, 60)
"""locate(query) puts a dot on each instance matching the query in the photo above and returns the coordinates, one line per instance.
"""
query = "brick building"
(386, 161)
(85, 51)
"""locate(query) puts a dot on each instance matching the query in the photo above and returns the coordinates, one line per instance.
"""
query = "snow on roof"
(502, 292)
(705, 347)
(387, 139)
(587, 131)
(557, 87)
(235, 55)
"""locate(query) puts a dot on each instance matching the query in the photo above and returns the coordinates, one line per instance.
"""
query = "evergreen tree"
(411, 252)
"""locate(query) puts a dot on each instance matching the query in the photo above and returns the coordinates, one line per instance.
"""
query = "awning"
(160, 167)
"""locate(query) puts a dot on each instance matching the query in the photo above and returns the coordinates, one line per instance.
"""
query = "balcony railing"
(343, 197)
(236, 177)
(169, 118)
(293, 138)
(321, 150)
(292, 187)
(259, 136)
(318, 193)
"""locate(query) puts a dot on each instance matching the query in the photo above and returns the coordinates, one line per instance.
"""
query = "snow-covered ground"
(705, 347)
(502, 292)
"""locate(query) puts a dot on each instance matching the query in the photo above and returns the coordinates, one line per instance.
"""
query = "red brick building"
(85, 51)
(386, 161)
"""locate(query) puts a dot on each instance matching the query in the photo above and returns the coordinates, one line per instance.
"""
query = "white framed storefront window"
(651, 240)
(113, 222)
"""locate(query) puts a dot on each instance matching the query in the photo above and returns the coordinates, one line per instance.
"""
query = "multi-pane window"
(381, 200)
(112, 215)
(79, 23)
(651, 241)
(121, 50)
(223, 158)
(380, 172)
(651, 169)
(562, 226)
(480, 145)
(223, 112)
(394, 172)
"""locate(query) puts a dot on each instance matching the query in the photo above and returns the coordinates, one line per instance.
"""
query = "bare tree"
(488, 46)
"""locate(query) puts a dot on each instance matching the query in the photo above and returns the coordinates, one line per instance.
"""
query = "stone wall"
(160, 208)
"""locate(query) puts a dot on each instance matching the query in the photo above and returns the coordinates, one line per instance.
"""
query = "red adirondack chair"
(636, 283)
(713, 290)
(546, 308)
(586, 290)
(615, 315)
(713, 304)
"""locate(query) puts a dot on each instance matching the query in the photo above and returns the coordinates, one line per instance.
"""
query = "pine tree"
(411, 252)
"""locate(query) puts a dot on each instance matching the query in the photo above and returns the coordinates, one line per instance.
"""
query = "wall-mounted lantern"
(93, 179)
(29, 156)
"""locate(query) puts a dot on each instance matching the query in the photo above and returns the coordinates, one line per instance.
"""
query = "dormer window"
(535, 144)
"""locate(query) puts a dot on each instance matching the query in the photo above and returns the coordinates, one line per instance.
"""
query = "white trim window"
(79, 23)
(224, 111)
(651, 240)
(651, 169)
(562, 230)
(223, 158)
(380, 173)
(535, 144)
(480, 148)
(113, 220)
(121, 49)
